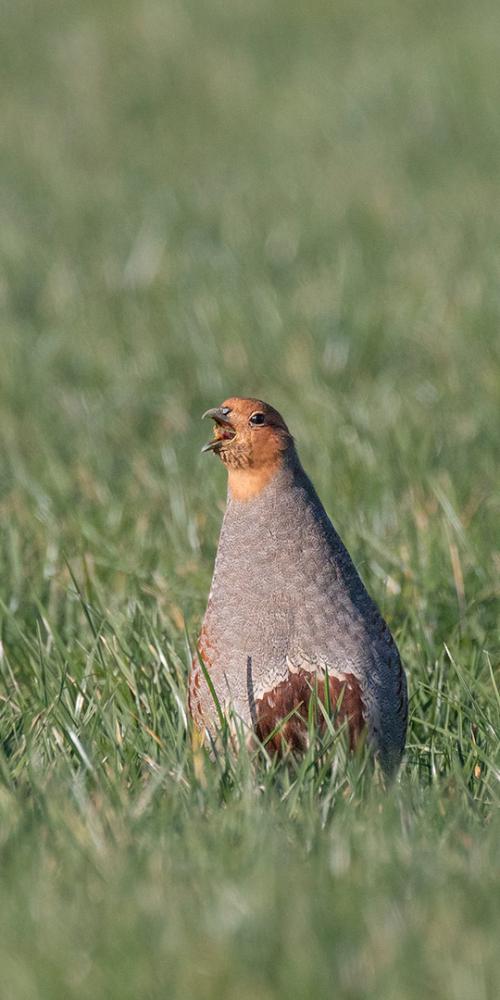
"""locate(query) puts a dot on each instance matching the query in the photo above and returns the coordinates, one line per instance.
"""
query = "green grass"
(201, 200)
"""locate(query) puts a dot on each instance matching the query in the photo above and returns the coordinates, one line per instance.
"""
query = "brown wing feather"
(207, 652)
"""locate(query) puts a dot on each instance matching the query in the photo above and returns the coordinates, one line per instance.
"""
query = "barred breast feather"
(288, 614)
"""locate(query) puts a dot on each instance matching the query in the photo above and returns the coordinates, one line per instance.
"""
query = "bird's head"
(252, 440)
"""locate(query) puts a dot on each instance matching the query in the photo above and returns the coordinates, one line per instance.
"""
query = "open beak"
(223, 429)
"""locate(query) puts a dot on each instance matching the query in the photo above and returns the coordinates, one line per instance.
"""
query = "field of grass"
(201, 200)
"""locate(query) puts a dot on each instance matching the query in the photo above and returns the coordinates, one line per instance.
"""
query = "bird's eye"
(225, 410)
(257, 418)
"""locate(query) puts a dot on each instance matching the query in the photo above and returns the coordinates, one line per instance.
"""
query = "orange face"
(250, 437)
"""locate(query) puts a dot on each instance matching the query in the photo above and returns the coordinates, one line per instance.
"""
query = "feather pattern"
(287, 609)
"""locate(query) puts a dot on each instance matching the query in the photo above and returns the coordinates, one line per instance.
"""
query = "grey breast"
(285, 594)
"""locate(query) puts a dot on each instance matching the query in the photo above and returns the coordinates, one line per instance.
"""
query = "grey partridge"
(287, 613)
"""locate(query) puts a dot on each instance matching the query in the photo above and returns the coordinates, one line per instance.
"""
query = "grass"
(204, 200)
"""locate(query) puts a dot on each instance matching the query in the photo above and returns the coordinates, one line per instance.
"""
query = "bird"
(288, 617)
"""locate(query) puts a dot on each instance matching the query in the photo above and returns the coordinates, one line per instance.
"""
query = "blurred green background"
(202, 200)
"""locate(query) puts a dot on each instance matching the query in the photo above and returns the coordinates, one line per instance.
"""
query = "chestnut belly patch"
(342, 699)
